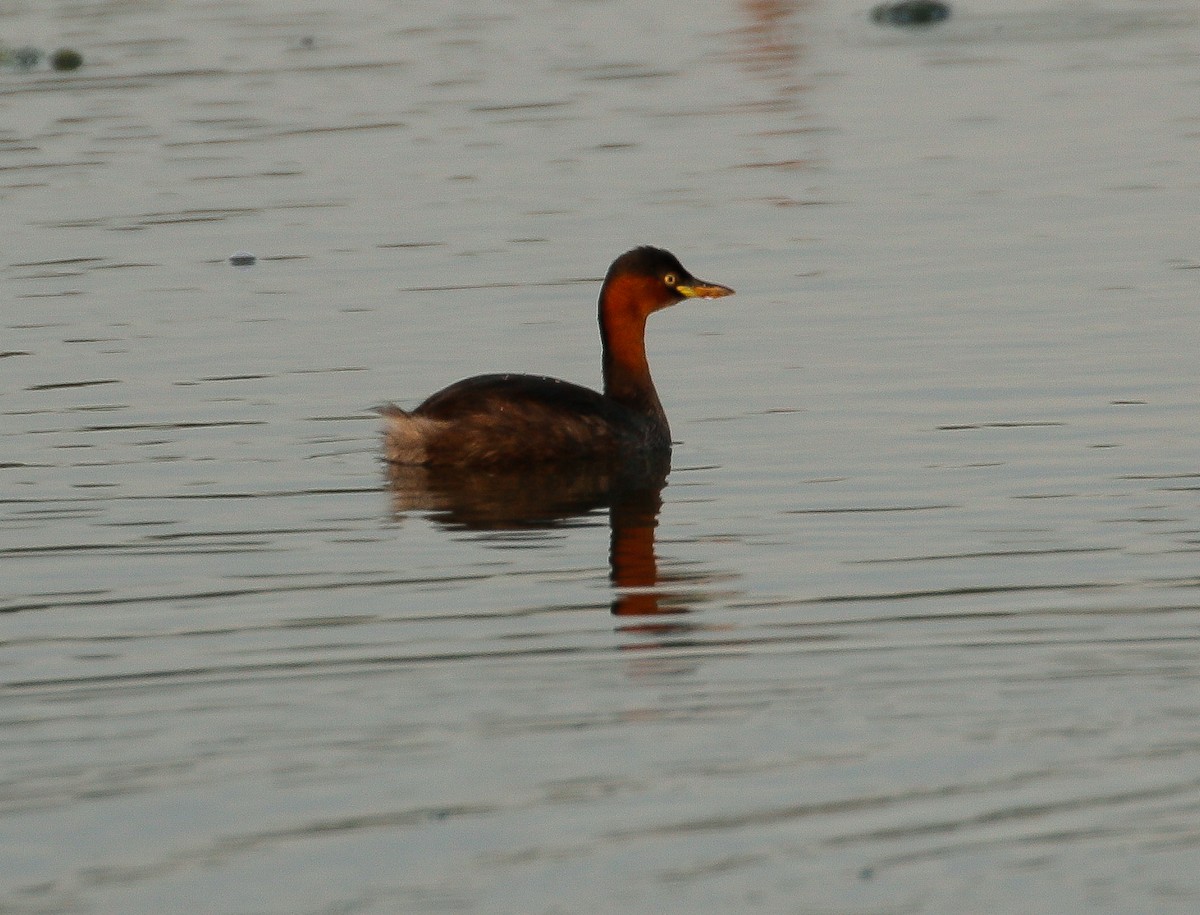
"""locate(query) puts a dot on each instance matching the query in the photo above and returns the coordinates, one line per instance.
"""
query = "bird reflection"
(507, 500)
(768, 45)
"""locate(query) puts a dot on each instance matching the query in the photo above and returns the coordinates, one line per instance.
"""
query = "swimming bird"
(516, 420)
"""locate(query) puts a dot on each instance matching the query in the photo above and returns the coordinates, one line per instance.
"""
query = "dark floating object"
(27, 58)
(911, 12)
(243, 259)
(66, 59)
(30, 57)
(506, 421)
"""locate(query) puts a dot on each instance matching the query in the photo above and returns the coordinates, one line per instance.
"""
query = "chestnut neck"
(623, 335)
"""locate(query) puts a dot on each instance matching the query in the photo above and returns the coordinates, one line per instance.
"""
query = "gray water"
(913, 625)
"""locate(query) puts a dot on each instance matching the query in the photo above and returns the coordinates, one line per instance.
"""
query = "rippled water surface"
(914, 624)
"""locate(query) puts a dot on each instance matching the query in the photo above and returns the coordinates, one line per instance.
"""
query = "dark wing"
(499, 393)
(498, 418)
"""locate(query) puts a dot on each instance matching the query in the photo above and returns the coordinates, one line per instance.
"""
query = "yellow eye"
(670, 279)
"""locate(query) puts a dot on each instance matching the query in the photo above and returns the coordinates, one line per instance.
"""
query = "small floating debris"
(30, 58)
(26, 58)
(911, 12)
(66, 59)
(243, 259)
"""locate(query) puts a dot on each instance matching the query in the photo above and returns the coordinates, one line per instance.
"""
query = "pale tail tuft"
(405, 435)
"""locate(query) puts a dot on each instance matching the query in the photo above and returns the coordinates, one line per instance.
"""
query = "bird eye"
(670, 279)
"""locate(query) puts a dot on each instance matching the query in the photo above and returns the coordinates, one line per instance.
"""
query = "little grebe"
(506, 420)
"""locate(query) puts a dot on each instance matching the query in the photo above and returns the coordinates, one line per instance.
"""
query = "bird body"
(509, 420)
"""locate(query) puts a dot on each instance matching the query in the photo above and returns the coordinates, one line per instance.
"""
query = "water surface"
(913, 625)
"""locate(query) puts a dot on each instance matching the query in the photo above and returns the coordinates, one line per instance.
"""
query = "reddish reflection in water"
(768, 45)
(633, 563)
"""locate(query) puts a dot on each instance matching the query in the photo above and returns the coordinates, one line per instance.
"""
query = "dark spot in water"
(66, 59)
(26, 58)
(243, 259)
(911, 12)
